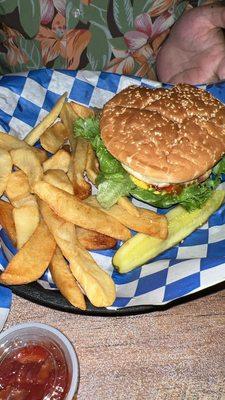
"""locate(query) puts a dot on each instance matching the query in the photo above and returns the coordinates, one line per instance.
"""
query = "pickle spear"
(181, 223)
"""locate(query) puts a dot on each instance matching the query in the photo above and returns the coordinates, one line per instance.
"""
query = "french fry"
(17, 187)
(147, 222)
(40, 153)
(26, 219)
(54, 137)
(96, 283)
(29, 200)
(33, 258)
(92, 240)
(5, 169)
(28, 162)
(9, 142)
(92, 166)
(82, 189)
(70, 172)
(47, 121)
(25, 213)
(6, 220)
(60, 160)
(59, 179)
(68, 116)
(66, 147)
(65, 281)
(73, 210)
(128, 206)
(82, 111)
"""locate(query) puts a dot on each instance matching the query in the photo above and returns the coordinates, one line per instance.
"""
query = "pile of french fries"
(51, 216)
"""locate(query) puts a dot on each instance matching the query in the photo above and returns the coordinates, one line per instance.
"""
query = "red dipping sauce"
(37, 371)
(37, 362)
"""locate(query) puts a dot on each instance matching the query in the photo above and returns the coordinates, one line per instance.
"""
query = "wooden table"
(178, 354)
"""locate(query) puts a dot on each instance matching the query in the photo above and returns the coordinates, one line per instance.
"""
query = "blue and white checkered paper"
(193, 265)
(5, 294)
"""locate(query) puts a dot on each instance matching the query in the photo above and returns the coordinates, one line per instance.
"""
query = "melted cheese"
(139, 183)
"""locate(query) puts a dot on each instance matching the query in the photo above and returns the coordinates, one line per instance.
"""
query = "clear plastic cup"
(22, 334)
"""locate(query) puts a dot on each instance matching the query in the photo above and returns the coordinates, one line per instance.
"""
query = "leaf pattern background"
(98, 56)
(92, 33)
(7, 6)
(123, 15)
(142, 6)
(31, 49)
(29, 19)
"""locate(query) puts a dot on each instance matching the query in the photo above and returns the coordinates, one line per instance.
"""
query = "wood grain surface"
(177, 354)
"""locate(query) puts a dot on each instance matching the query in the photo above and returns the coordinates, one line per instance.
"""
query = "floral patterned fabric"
(121, 36)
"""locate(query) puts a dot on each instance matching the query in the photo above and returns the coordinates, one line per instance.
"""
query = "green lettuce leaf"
(191, 197)
(114, 182)
(219, 167)
(111, 188)
(89, 129)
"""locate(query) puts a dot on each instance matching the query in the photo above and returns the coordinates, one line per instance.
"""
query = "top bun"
(165, 135)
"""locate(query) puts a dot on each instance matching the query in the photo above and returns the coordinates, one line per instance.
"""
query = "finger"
(193, 76)
(221, 70)
(215, 14)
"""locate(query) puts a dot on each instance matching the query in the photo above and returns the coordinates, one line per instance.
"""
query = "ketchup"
(36, 371)
(171, 189)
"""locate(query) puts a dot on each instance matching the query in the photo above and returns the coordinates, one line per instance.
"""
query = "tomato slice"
(171, 189)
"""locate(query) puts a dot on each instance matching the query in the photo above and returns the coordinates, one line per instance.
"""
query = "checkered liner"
(195, 264)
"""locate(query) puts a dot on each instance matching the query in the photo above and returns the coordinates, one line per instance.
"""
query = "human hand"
(195, 49)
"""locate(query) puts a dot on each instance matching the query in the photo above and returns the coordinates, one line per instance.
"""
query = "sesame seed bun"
(165, 135)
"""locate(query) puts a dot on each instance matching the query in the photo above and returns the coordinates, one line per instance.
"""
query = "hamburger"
(161, 146)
